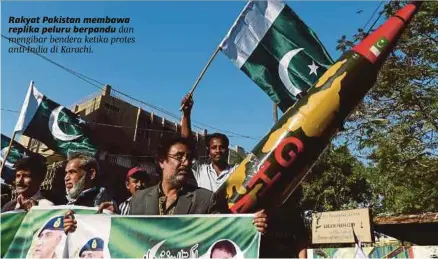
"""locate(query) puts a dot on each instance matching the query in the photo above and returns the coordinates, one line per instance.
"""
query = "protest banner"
(113, 236)
(10, 222)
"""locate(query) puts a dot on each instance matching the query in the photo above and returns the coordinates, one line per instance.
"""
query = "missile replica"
(281, 160)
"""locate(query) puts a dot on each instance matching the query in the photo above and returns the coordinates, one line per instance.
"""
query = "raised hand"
(187, 104)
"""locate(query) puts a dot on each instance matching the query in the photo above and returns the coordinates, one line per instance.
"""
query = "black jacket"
(91, 198)
(191, 200)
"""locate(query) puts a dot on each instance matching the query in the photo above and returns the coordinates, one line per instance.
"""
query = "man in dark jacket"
(81, 182)
(173, 196)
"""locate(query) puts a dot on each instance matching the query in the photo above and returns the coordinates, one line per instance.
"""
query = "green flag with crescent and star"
(277, 50)
(51, 123)
(17, 152)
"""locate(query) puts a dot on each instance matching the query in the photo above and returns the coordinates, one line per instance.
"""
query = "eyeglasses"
(181, 158)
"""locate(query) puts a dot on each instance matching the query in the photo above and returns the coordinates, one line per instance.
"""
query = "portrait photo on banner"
(49, 241)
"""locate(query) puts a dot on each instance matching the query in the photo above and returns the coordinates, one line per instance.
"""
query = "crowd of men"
(186, 185)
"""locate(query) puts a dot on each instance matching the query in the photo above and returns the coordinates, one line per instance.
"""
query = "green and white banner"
(10, 223)
(40, 235)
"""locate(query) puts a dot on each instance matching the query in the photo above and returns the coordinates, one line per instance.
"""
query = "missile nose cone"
(407, 12)
(376, 46)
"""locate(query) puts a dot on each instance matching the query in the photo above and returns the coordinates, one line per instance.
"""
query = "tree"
(396, 126)
(336, 182)
(393, 135)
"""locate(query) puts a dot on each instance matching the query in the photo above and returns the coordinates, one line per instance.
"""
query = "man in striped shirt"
(136, 180)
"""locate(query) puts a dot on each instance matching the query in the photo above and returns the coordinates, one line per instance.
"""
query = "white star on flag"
(313, 68)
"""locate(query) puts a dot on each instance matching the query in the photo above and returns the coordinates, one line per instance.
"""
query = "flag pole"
(7, 152)
(275, 112)
(15, 131)
(203, 71)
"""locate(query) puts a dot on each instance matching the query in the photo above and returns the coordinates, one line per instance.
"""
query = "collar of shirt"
(162, 200)
(161, 192)
(222, 174)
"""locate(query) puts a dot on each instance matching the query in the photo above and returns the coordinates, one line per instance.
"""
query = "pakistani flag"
(54, 125)
(274, 47)
(17, 152)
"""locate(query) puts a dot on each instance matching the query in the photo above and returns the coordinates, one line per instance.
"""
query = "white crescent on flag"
(56, 130)
(3, 154)
(283, 72)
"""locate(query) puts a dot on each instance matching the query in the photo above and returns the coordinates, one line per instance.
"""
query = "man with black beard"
(80, 182)
(173, 195)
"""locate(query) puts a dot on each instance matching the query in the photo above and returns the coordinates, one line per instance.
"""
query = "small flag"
(56, 126)
(379, 46)
(360, 254)
(277, 50)
(17, 152)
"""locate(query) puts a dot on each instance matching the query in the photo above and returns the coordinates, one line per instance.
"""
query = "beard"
(178, 179)
(77, 188)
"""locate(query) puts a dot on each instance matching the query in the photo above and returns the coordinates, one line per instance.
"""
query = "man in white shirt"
(212, 175)
(208, 175)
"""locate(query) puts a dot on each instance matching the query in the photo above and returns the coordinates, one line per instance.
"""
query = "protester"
(136, 179)
(80, 180)
(30, 173)
(213, 174)
(81, 187)
(173, 196)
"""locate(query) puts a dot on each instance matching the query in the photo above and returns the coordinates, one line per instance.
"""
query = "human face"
(178, 165)
(135, 183)
(92, 254)
(220, 253)
(218, 151)
(47, 242)
(75, 178)
(26, 185)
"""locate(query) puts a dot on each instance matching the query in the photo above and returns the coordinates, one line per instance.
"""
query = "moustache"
(183, 170)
